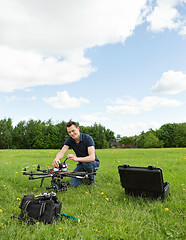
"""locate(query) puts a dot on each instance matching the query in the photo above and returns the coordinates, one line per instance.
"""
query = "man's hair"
(70, 123)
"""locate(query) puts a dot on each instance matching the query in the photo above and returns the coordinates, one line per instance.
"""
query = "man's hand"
(56, 163)
(73, 157)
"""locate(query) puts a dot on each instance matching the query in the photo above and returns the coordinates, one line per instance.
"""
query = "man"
(83, 146)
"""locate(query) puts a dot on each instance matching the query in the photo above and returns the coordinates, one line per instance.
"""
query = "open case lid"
(141, 178)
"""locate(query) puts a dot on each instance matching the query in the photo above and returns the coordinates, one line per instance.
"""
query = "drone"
(57, 174)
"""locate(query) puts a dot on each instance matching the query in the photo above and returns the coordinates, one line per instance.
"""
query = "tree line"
(46, 135)
(167, 136)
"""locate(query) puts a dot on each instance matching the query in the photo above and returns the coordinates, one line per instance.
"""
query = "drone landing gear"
(58, 185)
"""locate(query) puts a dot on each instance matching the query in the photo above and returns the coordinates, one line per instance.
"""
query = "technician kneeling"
(83, 146)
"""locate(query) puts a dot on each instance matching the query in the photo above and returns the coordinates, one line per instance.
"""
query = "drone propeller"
(25, 169)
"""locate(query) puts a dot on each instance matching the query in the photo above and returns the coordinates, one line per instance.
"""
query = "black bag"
(43, 208)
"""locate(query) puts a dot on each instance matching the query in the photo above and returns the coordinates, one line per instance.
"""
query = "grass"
(105, 211)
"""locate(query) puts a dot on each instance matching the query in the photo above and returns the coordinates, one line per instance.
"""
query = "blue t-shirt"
(81, 148)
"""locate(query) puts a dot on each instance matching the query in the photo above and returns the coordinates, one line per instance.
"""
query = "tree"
(127, 141)
(51, 135)
(62, 133)
(37, 134)
(19, 135)
(6, 133)
(180, 138)
(148, 140)
(172, 135)
(109, 136)
(32, 131)
(101, 136)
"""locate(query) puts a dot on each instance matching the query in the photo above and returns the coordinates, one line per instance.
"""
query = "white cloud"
(64, 101)
(22, 69)
(16, 98)
(133, 129)
(183, 31)
(132, 106)
(171, 82)
(165, 15)
(62, 26)
(11, 99)
(137, 128)
(43, 42)
(90, 119)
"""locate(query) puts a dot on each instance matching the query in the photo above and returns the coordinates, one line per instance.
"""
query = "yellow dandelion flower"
(102, 193)
(16, 172)
(1, 224)
(166, 209)
(107, 199)
(60, 228)
(96, 230)
(18, 199)
(124, 199)
(87, 193)
(1, 210)
(93, 203)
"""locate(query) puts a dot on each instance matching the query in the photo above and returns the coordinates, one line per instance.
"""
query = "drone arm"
(32, 173)
(78, 174)
(43, 176)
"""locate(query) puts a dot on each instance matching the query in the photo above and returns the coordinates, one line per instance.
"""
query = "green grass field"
(105, 211)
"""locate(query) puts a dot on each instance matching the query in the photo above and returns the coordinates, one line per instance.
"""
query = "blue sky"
(120, 63)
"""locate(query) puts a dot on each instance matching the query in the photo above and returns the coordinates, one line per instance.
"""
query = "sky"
(118, 63)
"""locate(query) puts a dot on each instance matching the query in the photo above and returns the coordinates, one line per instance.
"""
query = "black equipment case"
(143, 181)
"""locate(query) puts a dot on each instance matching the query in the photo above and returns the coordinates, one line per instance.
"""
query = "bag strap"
(42, 208)
(25, 205)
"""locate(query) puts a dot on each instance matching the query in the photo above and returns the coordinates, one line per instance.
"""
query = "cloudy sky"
(121, 63)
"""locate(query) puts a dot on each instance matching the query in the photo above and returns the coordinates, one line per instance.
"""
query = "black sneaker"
(92, 182)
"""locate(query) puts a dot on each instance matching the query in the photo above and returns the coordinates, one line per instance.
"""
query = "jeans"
(84, 166)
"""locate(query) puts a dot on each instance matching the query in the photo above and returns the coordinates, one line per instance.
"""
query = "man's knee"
(74, 182)
(88, 166)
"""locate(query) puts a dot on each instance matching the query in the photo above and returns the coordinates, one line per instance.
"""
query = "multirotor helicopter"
(57, 174)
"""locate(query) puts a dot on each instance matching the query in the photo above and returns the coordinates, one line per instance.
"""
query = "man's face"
(73, 131)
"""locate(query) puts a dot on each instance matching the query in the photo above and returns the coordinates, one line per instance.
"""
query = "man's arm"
(89, 158)
(60, 155)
